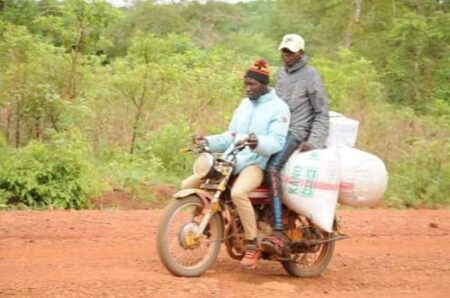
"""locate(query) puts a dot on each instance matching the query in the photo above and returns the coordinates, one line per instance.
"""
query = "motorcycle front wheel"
(179, 250)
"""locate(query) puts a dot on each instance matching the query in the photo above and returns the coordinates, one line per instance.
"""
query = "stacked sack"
(313, 182)
(363, 176)
(310, 183)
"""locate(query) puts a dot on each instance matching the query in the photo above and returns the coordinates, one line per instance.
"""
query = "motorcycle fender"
(203, 195)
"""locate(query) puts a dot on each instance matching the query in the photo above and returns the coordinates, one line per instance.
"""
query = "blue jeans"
(273, 178)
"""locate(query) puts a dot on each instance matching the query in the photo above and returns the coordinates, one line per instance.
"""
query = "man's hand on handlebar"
(251, 141)
(199, 140)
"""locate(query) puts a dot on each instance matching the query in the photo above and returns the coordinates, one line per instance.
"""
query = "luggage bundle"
(314, 181)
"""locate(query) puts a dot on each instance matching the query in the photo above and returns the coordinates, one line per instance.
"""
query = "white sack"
(363, 177)
(311, 185)
(343, 131)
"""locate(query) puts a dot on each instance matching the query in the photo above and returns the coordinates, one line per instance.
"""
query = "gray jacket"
(300, 86)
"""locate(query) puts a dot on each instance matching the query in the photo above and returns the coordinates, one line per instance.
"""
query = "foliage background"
(94, 96)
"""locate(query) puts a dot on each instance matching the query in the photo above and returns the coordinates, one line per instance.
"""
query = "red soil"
(111, 253)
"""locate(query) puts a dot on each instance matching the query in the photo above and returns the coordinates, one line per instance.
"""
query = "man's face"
(290, 58)
(253, 88)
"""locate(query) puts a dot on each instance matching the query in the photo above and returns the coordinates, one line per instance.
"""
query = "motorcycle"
(197, 221)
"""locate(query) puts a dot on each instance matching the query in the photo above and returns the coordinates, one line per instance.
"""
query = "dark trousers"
(273, 178)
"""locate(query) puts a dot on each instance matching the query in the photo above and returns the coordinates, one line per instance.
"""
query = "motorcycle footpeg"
(271, 249)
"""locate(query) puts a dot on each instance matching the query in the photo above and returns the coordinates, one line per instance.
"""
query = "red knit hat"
(259, 71)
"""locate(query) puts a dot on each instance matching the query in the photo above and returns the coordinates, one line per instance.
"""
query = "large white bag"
(311, 185)
(363, 177)
(343, 131)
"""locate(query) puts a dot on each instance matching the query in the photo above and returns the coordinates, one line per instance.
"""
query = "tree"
(79, 27)
(419, 47)
(141, 78)
(355, 19)
(28, 89)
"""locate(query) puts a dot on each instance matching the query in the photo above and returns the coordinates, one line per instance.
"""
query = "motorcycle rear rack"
(321, 241)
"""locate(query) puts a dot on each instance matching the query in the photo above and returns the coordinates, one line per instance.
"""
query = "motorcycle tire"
(315, 268)
(183, 241)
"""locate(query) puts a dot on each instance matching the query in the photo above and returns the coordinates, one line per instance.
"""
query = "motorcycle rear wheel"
(180, 253)
(311, 264)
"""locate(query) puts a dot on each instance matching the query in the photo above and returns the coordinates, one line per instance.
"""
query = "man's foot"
(251, 257)
(273, 245)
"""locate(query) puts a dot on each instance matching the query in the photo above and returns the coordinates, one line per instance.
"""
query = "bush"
(422, 179)
(417, 158)
(421, 170)
(4, 195)
(128, 170)
(350, 81)
(156, 159)
(56, 175)
(165, 145)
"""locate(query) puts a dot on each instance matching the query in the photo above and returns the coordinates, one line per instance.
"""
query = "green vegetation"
(55, 174)
(94, 96)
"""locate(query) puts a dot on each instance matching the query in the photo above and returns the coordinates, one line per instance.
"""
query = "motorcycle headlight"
(203, 165)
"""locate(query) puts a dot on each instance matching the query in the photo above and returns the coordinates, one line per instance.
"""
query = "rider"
(264, 117)
(300, 86)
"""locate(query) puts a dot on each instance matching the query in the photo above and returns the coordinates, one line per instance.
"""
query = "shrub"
(57, 174)
(350, 80)
(165, 145)
(421, 171)
(129, 170)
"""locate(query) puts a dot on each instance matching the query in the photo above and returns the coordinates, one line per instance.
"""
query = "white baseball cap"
(293, 42)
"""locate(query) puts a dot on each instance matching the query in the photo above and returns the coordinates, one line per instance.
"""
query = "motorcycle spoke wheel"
(311, 258)
(181, 253)
(314, 262)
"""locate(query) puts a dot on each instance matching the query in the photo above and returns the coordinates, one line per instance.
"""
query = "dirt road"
(112, 254)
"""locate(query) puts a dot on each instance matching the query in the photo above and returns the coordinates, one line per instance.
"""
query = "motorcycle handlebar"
(238, 146)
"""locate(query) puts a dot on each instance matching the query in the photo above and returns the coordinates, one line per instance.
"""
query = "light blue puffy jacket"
(268, 117)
